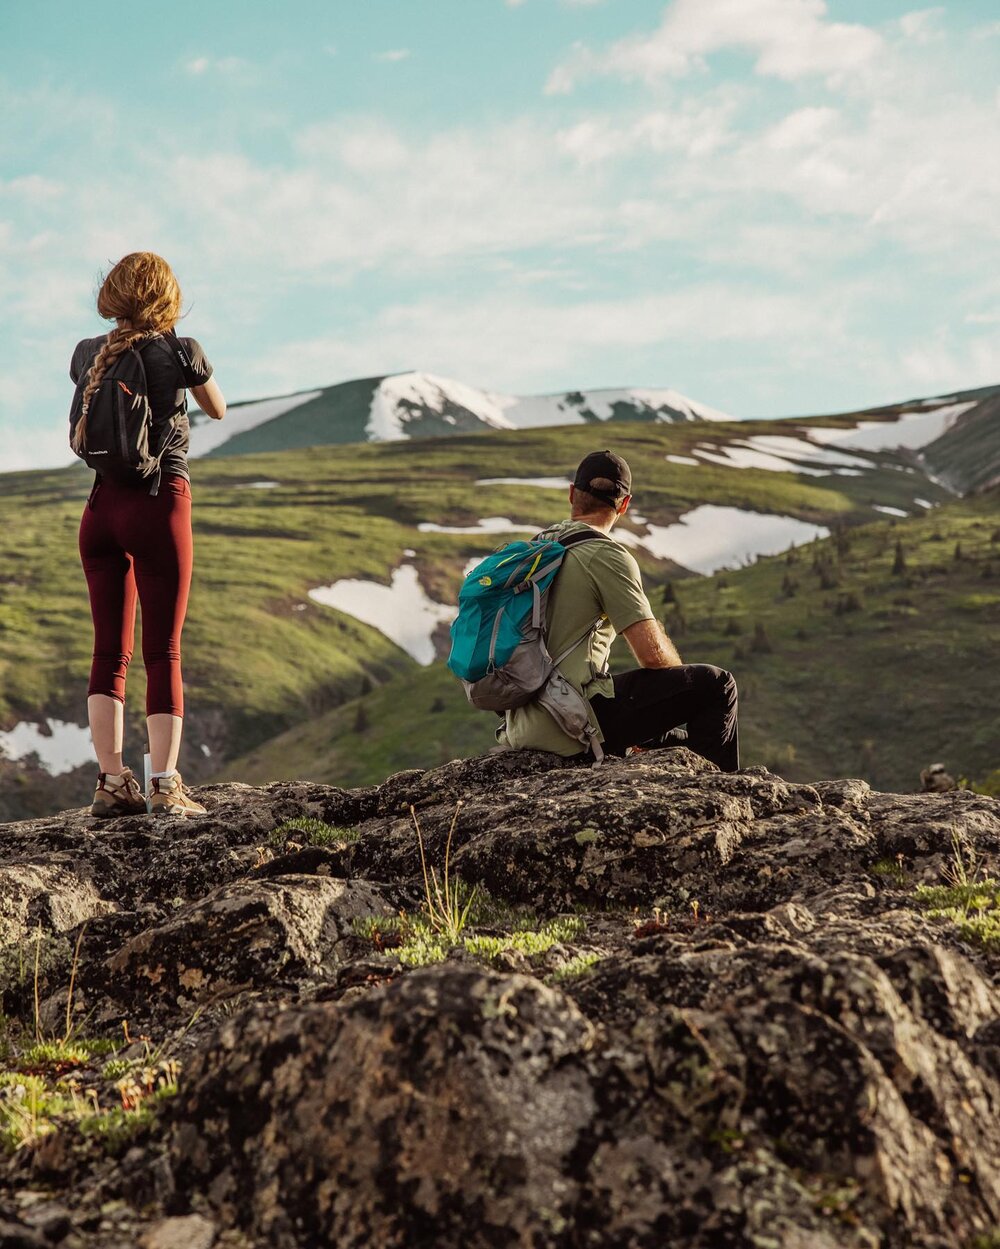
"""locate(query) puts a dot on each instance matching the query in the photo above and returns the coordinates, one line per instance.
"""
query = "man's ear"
(624, 505)
(572, 494)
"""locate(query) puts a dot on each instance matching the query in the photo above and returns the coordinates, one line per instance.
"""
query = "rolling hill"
(844, 666)
(316, 578)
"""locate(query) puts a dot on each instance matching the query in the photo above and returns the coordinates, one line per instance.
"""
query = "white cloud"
(32, 188)
(936, 364)
(801, 129)
(791, 39)
(923, 25)
(477, 338)
(232, 67)
(360, 194)
(393, 54)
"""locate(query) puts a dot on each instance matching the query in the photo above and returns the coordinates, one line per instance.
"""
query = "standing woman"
(135, 535)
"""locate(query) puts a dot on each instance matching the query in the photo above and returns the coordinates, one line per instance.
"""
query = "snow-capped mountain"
(954, 439)
(422, 405)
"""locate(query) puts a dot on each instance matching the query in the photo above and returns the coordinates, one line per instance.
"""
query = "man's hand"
(651, 646)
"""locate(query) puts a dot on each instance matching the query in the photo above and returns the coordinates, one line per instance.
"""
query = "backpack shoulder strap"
(584, 535)
(172, 345)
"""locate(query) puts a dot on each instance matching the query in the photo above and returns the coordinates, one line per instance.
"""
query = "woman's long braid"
(118, 342)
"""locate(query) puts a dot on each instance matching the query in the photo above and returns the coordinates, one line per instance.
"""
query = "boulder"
(45, 895)
(445, 1109)
(244, 936)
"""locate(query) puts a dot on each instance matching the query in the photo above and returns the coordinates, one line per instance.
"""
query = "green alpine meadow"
(860, 640)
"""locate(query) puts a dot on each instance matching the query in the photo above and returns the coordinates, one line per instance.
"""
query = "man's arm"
(651, 646)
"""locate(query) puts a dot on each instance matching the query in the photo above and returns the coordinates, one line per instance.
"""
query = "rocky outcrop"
(752, 1033)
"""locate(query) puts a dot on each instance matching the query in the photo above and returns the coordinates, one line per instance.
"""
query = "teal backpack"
(498, 647)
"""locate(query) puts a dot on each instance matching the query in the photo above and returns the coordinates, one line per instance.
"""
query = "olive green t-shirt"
(598, 578)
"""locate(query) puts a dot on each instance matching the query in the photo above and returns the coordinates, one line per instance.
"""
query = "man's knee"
(710, 677)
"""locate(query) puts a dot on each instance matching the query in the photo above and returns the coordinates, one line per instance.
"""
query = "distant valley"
(324, 587)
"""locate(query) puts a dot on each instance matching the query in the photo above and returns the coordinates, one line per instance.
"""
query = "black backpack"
(121, 443)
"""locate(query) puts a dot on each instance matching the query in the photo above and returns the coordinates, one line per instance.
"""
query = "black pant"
(649, 702)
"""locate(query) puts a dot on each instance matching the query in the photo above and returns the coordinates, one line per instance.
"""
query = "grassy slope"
(259, 665)
(907, 677)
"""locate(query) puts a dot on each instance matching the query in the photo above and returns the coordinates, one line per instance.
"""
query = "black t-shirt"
(166, 390)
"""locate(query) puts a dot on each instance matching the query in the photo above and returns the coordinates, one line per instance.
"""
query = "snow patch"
(60, 746)
(543, 483)
(781, 453)
(911, 429)
(488, 524)
(402, 610)
(712, 537)
(569, 408)
(262, 485)
(205, 751)
(923, 502)
(207, 434)
(395, 398)
(889, 511)
(683, 459)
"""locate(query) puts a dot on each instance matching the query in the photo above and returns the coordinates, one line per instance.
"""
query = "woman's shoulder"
(197, 366)
(89, 346)
(84, 353)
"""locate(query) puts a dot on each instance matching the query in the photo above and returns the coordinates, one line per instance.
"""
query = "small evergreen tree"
(761, 643)
(361, 721)
(899, 563)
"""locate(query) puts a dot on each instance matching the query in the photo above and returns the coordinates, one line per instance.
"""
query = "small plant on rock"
(447, 902)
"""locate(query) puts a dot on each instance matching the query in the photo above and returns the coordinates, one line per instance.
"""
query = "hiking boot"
(118, 796)
(170, 796)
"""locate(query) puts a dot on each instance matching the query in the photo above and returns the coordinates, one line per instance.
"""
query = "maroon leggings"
(132, 541)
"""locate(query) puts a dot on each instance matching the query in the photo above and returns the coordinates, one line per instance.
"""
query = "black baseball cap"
(610, 467)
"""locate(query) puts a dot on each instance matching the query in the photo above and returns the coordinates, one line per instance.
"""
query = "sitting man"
(639, 707)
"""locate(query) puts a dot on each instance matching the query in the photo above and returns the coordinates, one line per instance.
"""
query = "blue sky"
(774, 206)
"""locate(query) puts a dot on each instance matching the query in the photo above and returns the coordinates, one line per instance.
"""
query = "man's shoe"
(169, 796)
(118, 795)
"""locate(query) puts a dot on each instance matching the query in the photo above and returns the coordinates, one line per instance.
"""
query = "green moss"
(579, 965)
(54, 1053)
(529, 942)
(414, 942)
(889, 868)
(973, 908)
(310, 832)
(29, 1108)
